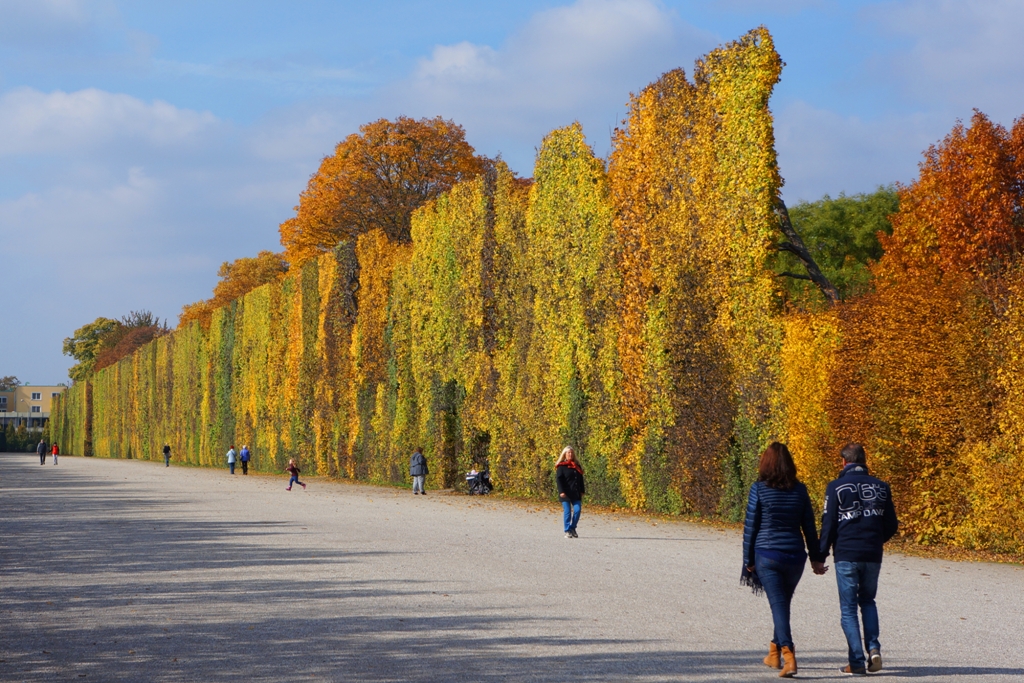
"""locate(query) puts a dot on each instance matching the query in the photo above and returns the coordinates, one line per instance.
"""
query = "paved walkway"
(130, 571)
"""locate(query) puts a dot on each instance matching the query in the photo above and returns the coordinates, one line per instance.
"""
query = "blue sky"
(144, 143)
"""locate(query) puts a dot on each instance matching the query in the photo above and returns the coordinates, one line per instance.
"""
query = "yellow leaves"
(809, 358)
(570, 246)
(378, 258)
(694, 179)
(928, 370)
(237, 278)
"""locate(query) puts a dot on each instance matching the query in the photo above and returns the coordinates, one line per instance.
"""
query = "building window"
(37, 409)
(3, 400)
(37, 396)
(55, 394)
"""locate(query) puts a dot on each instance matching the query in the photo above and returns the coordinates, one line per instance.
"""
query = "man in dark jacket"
(418, 470)
(42, 449)
(859, 518)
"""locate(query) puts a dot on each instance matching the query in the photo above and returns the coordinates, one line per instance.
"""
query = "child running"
(294, 471)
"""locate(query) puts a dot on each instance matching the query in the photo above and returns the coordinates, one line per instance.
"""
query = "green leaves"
(85, 344)
(842, 236)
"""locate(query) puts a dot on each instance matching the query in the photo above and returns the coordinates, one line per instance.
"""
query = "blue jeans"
(231, 466)
(858, 583)
(570, 514)
(779, 580)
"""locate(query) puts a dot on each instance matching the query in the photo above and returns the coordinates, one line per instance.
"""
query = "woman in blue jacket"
(778, 512)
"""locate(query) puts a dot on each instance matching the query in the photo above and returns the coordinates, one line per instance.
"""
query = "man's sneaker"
(288, 489)
(574, 534)
(850, 671)
(874, 661)
(423, 493)
(568, 535)
(303, 486)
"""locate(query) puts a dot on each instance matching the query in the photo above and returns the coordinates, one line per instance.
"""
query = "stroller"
(479, 483)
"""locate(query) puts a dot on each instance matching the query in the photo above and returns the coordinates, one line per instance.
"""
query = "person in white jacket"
(231, 459)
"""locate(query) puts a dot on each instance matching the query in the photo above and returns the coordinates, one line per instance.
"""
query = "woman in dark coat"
(778, 511)
(569, 479)
(418, 471)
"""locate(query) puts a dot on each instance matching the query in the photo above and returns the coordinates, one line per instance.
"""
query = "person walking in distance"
(42, 450)
(167, 455)
(569, 481)
(293, 470)
(859, 518)
(779, 510)
(231, 459)
(418, 470)
(56, 452)
(244, 457)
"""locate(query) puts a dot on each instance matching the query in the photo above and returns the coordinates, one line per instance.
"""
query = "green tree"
(841, 235)
(85, 344)
(9, 383)
(105, 341)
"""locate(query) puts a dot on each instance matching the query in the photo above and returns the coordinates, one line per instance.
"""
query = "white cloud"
(463, 62)
(575, 62)
(964, 54)
(47, 123)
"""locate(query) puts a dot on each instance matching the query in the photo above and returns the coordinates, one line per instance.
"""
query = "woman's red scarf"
(572, 464)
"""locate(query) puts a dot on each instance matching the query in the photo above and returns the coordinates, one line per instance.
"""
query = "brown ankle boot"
(788, 663)
(773, 660)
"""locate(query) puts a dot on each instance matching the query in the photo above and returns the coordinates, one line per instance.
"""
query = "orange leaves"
(964, 213)
(375, 180)
(237, 278)
(927, 372)
(694, 179)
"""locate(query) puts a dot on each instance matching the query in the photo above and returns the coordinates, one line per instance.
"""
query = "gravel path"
(129, 571)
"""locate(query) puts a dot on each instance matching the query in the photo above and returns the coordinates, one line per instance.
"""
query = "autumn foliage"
(925, 369)
(375, 180)
(628, 307)
(237, 278)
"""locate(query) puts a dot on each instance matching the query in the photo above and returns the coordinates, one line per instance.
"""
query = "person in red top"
(55, 452)
(294, 471)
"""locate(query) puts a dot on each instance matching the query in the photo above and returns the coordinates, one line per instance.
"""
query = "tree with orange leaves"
(964, 214)
(923, 369)
(237, 278)
(375, 180)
